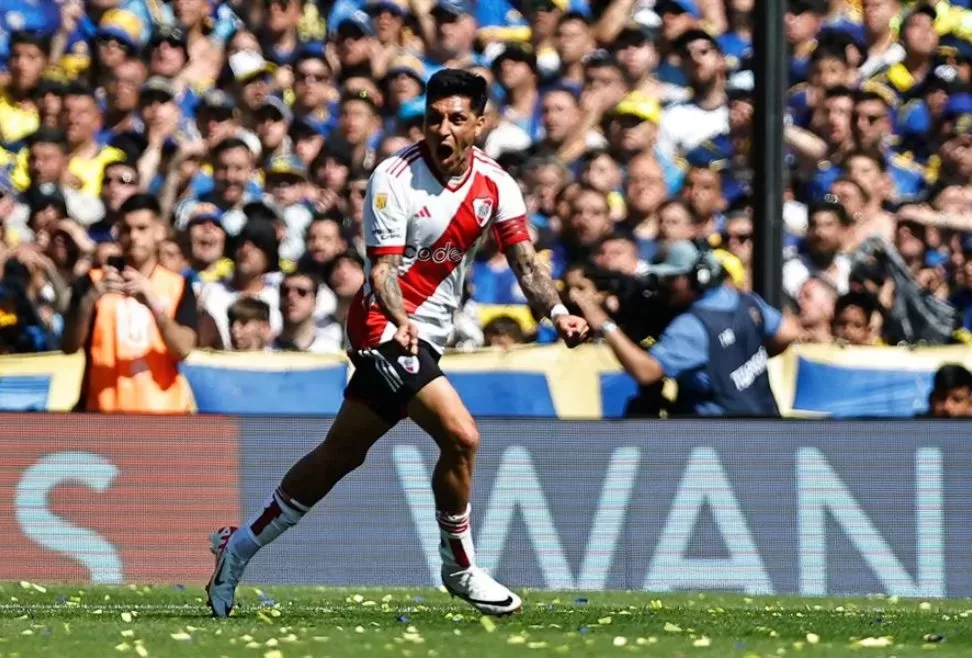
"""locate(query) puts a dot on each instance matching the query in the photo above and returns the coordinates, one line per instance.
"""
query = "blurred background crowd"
(628, 123)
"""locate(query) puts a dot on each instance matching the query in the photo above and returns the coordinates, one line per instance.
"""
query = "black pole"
(767, 149)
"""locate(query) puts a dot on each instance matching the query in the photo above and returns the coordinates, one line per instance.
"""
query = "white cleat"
(226, 575)
(481, 591)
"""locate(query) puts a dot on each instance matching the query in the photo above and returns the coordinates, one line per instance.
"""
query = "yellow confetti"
(620, 641)
(141, 651)
(656, 604)
(126, 617)
(488, 624)
(24, 584)
(289, 638)
(276, 653)
(272, 642)
(246, 638)
(42, 590)
(357, 598)
(516, 639)
(812, 638)
(128, 633)
(27, 632)
(604, 621)
(386, 598)
(253, 645)
(359, 629)
(180, 636)
(124, 646)
(702, 642)
(924, 605)
(644, 641)
(874, 642)
(672, 628)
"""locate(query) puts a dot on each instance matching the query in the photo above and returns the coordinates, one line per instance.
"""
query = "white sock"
(278, 514)
(456, 547)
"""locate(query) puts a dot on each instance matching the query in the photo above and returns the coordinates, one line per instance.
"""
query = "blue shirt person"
(717, 349)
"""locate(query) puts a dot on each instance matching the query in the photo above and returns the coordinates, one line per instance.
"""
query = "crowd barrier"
(530, 382)
(764, 507)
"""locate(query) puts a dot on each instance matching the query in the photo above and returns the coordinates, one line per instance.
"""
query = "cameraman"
(718, 346)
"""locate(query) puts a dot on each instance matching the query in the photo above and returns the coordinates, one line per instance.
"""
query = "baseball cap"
(159, 86)
(958, 104)
(274, 105)
(205, 212)
(412, 109)
(453, 8)
(356, 24)
(396, 7)
(407, 63)
(263, 235)
(954, 46)
(170, 34)
(681, 257)
(289, 166)
(359, 95)
(944, 77)
(121, 24)
(217, 99)
(678, 7)
(640, 105)
(248, 64)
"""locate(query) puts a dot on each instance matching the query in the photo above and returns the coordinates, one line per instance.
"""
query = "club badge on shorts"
(483, 209)
(409, 363)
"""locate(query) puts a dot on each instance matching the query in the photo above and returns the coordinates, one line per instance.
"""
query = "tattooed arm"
(534, 278)
(388, 294)
(541, 293)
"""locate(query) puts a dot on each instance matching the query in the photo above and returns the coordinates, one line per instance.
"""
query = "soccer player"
(426, 210)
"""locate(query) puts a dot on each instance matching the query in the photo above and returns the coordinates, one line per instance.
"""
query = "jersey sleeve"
(682, 347)
(510, 225)
(385, 215)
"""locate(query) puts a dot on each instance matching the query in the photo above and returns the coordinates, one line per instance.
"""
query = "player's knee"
(464, 438)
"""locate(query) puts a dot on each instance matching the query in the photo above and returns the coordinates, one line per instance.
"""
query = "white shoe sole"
(490, 609)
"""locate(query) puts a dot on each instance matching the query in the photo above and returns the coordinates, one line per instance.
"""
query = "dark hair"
(504, 325)
(248, 309)
(229, 144)
(48, 136)
(456, 82)
(826, 205)
(30, 38)
(838, 92)
(333, 216)
(829, 49)
(862, 300)
(313, 276)
(951, 376)
(873, 156)
(624, 236)
(675, 201)
(258, 211)
(138, 202)
(569, 16)
(78, 88)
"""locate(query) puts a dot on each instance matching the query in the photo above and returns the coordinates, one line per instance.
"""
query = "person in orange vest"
(135, 321)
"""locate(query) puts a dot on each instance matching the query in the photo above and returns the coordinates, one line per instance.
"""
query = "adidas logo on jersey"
(446, 253)
(423, 213)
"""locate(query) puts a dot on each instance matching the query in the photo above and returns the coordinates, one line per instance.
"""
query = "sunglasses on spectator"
(124, 178)
(742, 238)
(300, 291)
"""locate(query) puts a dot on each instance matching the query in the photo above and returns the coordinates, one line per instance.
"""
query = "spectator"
(301, 332)
(821, 253)
(135, 323)
(346, 278)
(249, 322)
(233, 168)
(286, 180)
(255, 274)
(951, 388)
(816, 302)
(29, 53)
(857, 319)
(738, 239)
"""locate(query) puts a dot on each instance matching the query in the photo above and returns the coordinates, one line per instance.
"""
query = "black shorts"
(386, 379)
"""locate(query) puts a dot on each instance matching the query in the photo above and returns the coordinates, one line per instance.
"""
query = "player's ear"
(480, 124)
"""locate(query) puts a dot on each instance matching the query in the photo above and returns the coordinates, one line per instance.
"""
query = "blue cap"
(952, 45)
(375, 7)
(679, 258)
(357, 21)
(453, 7)
(914, 119)
(286, 165)
(958, 104)
(678, 7)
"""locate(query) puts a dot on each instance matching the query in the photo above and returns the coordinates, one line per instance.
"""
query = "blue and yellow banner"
(535, 382)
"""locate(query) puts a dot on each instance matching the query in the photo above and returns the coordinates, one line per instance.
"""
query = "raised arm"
(534, 278)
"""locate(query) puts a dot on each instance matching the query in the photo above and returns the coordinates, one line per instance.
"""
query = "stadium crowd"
(628, 123)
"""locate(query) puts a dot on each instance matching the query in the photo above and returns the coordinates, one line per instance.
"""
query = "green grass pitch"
(291, 622)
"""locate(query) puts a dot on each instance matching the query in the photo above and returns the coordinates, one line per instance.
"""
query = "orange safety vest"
(129, 368)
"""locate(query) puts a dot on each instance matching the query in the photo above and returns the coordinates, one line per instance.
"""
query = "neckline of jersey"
(454, 185)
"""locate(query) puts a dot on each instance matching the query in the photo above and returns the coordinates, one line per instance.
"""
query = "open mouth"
(444, 151)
